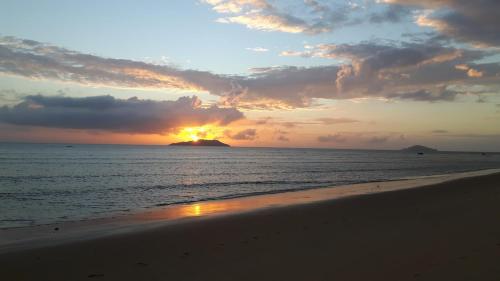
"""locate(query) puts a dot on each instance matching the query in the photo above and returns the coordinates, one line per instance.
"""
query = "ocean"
(50, 183)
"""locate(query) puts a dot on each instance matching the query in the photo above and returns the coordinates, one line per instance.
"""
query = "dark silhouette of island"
(419, 149)
(201, 143)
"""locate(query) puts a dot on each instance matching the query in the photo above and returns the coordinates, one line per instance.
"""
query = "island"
(419, 149)
(201, 143)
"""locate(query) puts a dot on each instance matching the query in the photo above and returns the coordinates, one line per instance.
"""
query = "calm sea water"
(47, 183)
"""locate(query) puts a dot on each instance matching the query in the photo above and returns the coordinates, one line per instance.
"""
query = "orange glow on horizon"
(207, 132)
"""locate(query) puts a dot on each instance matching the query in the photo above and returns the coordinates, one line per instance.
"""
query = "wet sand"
(446, 231)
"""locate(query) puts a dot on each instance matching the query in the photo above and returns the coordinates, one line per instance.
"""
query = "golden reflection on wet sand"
(244, 204)
(23, 237)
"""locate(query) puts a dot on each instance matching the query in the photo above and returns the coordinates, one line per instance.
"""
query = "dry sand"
(448, 231)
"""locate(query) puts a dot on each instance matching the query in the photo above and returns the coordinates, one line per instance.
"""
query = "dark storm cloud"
(118, 115)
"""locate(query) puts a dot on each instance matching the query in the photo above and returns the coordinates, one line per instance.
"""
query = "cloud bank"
(422, 71)
(416, 70)
(107, 113)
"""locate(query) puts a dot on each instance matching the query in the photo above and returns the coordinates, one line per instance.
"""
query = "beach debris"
(141, 264)
(56, 228)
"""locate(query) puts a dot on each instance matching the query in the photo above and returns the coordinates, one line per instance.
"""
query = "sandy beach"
(445, 231)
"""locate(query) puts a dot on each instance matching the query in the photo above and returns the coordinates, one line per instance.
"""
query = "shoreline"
(46, 235)
(444, 231)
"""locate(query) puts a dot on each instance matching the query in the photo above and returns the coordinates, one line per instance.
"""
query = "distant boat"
(201, 143)
(419, 149)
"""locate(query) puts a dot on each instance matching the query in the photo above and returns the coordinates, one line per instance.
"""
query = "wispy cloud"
(258, 49)
(37, 60)
(321, 16)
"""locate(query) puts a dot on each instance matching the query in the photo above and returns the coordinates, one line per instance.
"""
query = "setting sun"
(197, 133)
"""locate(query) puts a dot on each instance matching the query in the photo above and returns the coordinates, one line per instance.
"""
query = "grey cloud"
(412, 70)
(417, 71)
(118, 115)
(42, 61)
(9, 96)
(469, 21)
(247, 134)
(424, 95)
(393, 14)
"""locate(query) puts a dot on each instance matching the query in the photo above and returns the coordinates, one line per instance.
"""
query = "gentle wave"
(50, 183)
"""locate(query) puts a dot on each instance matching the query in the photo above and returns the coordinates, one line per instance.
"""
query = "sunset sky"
(381, 74)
